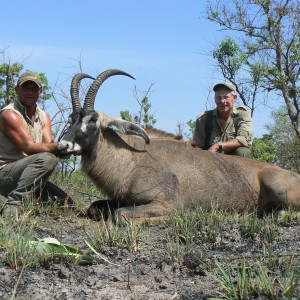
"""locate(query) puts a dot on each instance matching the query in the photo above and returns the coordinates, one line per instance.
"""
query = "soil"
(143, 274)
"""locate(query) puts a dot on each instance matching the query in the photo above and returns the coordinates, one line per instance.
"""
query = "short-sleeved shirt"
(239, 126)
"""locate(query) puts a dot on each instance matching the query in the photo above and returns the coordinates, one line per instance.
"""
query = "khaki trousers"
(27, 177)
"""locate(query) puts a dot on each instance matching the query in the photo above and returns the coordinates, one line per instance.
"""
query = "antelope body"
(152, 176)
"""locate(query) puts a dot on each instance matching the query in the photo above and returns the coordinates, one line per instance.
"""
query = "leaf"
(51, 247)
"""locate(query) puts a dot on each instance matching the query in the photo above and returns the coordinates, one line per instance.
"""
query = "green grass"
(14, 241)
(243, 281)
(272, 275)
(130, 236)
(80, 188)
(263, 229)
(267, 273)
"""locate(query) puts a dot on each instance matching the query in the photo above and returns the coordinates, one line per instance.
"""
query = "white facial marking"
(85, 121)
(77, 147)
(64, 145)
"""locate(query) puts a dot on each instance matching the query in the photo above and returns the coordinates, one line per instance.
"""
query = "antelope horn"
(75, 89)
(91, 94)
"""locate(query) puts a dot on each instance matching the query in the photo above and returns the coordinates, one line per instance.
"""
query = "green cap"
(228, 85)
(30, 76)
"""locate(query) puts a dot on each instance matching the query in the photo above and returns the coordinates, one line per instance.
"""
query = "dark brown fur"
(157, 133)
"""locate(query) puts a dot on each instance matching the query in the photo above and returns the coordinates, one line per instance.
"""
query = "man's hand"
(214, 148)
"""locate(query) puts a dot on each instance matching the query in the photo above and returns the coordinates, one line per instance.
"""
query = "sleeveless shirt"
(8, 150)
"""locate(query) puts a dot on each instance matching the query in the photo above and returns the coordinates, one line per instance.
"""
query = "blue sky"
(161, 42)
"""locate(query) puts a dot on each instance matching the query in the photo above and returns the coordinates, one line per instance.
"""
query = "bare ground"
(148, 273)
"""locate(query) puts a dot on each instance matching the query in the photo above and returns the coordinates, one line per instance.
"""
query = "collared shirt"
(238, 126)
(8, 150)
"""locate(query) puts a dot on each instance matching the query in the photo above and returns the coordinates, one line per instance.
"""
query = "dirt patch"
(148, 273)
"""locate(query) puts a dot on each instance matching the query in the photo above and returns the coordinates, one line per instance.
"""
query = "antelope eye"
(93, 119)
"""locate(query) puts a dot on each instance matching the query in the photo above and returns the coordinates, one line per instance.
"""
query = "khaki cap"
(30, 76)
(228, 85)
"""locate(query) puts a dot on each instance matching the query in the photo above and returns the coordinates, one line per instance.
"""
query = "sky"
(165, 44)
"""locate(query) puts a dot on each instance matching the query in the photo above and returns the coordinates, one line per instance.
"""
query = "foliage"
(144, 117)
(46, 95)
(187, 226)
(192, 125)
(246, 282)
(253, 227)
(232, 61)
(14, 240)
(265, 272)
(281, 145)
(268, 33)
(107, 233)
(265, 149)
(78, 185)
(9, 74)
(25, 250)
(230, 57)
(285, 141)
(49, 248)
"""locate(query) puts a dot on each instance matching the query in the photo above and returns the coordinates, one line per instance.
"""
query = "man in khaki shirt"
(225, 129)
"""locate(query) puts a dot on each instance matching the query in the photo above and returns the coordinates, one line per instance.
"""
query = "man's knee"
(48, 160)
(242, 151)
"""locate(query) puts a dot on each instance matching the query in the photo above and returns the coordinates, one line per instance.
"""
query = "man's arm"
(244, 133)
(244, 127)
(227, 147)
(12, 124)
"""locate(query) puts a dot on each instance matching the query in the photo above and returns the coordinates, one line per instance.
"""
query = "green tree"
(191, 126)
(265, 149)
(269, 35)
(9, 74)
(232, 61)
(285, 139)
(143, 117)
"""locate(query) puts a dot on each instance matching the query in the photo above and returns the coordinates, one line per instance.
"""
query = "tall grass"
(105, 233)
(80, 188)
(243, 281)
(14, 241)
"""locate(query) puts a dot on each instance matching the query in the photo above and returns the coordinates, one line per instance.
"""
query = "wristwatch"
(220, 144)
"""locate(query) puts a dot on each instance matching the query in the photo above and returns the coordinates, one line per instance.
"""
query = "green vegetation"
(266, 272)
(281, 145)
(14, 241)
(78, 185)
(263, 58)
(9, 74)
(242, 281)
(131, 236)
(24, 250)
(143, 117)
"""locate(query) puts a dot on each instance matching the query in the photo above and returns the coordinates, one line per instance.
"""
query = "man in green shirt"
(227, 128)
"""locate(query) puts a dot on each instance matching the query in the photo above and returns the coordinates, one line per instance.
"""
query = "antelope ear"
(128, 128)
